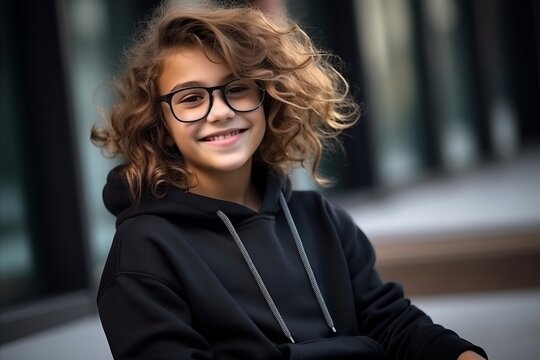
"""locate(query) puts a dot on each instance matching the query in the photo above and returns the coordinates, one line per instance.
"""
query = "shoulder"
(150, 248)
(142, 226)
(316, 209)
(307, 197)
(142, 245)
(316, 204)
(311, 208)
(144, 248)
(141, 233)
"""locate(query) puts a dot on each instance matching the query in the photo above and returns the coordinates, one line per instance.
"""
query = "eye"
(190, 97)
(236, 90)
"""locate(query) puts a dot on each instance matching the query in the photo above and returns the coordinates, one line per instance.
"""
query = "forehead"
(191, 64)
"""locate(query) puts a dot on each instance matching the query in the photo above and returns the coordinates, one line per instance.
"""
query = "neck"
(234, 186)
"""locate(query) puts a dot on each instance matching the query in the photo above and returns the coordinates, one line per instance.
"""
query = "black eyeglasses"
(194, 103)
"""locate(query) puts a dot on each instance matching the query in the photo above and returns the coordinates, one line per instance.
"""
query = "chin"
(233, 166)
(229, 163)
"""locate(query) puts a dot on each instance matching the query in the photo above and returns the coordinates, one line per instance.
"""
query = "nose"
(219, 109)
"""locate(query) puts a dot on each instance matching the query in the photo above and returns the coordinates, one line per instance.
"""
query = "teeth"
(222, 137)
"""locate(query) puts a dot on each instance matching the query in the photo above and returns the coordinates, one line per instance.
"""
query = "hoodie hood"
(192, 207)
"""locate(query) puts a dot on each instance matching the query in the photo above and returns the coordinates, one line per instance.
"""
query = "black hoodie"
(191, 277)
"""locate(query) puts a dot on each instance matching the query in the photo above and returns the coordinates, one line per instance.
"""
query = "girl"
(215, 257)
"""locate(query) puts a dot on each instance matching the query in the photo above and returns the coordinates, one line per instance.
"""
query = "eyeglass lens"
(194, 103)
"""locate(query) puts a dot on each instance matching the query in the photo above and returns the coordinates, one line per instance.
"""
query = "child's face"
(224, 140)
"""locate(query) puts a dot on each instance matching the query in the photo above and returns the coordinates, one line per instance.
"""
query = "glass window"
(98, 31)
(502, 114)
(386, 46)
(450, 82)
(17, 269)
(90, 69)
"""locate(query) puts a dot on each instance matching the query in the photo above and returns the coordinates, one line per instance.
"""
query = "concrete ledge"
(457, 263)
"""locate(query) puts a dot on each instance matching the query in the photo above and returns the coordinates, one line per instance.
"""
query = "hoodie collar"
(180, 204)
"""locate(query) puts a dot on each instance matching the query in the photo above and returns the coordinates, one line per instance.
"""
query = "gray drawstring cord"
(257, 276)
(305, 261)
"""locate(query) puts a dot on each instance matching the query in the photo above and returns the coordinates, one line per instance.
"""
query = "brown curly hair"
(307, 103)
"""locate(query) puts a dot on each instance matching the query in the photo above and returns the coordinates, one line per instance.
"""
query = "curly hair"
(307, 104)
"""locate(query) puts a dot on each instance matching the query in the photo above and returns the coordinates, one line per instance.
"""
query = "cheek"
(167, 134)
(261, 122)
(180, 133)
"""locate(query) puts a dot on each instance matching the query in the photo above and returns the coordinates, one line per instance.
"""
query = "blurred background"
(442, 172)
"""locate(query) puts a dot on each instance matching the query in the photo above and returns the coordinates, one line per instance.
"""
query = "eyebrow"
(194, 83)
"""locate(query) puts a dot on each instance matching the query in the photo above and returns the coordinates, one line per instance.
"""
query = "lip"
(223, 137)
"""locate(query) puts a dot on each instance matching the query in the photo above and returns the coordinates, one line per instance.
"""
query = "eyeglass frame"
(167, 98)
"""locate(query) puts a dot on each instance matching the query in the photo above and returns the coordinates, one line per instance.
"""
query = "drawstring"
(306, 263)
(257, 276)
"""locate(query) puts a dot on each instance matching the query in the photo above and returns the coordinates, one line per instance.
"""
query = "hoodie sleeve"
(144, 318)
(383, 313)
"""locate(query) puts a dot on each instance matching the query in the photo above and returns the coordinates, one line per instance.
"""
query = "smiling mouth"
(222, 136)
